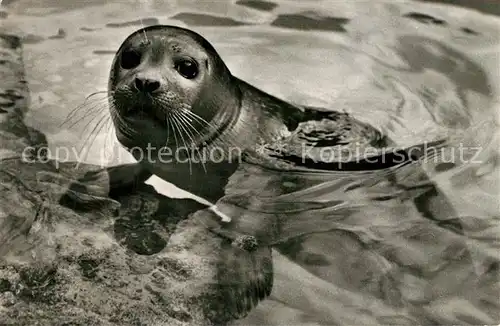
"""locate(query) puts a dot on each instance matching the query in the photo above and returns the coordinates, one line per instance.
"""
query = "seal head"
(169, 87)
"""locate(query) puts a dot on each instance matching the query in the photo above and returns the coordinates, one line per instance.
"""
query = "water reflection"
(422, 53)
(390, 234)
(258, 4)
(310, 21)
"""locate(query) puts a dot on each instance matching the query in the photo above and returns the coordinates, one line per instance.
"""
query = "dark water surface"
(412, 242)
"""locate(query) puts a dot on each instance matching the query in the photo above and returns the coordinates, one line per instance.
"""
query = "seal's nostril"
(146, 85)
(139, 84)
(151, 85)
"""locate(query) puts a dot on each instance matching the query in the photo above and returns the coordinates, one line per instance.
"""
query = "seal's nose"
(146, 85)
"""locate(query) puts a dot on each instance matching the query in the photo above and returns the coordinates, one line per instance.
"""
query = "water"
(405, 245)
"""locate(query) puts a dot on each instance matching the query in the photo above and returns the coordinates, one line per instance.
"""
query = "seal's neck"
(221, 108)
(276, 116)
(228, 107)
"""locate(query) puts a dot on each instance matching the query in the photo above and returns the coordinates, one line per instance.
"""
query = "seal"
(182, 114)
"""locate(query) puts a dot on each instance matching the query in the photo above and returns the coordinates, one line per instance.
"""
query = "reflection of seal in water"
(172, 96)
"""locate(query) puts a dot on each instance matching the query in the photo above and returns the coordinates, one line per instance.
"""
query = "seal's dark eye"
(187, 68)
(130, 59)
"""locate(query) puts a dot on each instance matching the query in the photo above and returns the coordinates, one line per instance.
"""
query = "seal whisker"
(225, 139)
(232, 141)
(88, 101)
(123, 124)
(191, 128)
(208, 146)
(97, 128)
(73, 118)
(97, 114)
(189, 123)
(143, 30)
(199, 119)
(109, 135)
(170, 122)
(96, 133)
(92, 114)
(182, 124)
(80, 107)
(97, 93)
(168, 128)
(176, 122)
(209, 124)
(186, 126)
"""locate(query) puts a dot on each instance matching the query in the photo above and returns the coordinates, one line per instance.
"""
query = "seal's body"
(180, 112)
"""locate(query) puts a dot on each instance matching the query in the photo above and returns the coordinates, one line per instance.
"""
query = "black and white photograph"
(249, 162)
